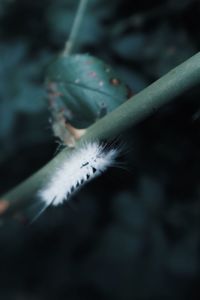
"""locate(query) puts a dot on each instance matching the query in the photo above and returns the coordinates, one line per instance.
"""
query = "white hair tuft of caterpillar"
(81, 166)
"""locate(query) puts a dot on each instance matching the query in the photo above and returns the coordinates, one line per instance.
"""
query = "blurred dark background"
(130, 234)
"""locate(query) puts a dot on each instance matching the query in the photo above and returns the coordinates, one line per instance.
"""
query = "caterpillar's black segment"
(83, 165)
(94, 170)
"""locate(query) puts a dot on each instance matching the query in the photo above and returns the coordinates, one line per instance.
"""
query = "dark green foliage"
(22, 97)
(158, 51)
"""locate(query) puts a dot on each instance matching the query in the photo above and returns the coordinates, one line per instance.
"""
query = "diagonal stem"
(162, 91)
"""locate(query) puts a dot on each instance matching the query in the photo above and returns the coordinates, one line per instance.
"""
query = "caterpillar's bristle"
(84, 164)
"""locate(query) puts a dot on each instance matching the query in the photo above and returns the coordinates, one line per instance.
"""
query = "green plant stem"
(131, 112)
(70, 44)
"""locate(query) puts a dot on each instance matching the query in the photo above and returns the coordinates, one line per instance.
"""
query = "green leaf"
(84, 89)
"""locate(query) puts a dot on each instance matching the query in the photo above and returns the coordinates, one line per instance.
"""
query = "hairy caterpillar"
(84, 164)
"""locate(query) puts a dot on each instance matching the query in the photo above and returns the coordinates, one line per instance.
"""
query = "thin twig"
(70, 44)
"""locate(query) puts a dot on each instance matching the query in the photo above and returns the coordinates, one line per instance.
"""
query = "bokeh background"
(133, 233)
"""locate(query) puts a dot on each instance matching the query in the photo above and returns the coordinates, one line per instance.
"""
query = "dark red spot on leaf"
(115, 81)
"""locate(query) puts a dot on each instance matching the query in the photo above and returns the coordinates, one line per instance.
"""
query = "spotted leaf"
(81, 90)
